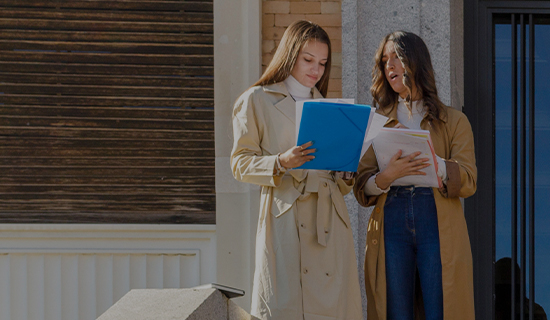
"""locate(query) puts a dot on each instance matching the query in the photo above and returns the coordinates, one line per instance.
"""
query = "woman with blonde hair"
(417, 232)
(305, 259)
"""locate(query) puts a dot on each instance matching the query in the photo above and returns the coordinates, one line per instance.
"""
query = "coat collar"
(280, 87)
(287, 105)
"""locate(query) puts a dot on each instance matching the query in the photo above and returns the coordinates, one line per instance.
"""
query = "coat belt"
(324, 184)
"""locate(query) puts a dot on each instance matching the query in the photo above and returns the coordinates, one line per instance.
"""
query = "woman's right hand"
(399, 167)
(297, 156)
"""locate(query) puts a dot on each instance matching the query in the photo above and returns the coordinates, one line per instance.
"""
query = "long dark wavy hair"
(415, 57)
(293, 40)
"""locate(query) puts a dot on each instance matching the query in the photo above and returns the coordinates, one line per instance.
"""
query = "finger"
(419, 168)
(308, 151)
(414, 155)
(397, 155)
(417, 162)
(306, 145)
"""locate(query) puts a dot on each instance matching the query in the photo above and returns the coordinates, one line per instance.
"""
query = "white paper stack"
(390, 140)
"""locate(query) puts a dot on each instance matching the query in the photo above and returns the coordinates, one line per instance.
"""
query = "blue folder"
(338, 131)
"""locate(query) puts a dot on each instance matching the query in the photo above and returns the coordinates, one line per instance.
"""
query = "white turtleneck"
(413, 120)
(410, 120)
(297, 90)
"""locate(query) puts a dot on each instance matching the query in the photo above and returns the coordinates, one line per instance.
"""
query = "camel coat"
(305, 259)
(453, 141)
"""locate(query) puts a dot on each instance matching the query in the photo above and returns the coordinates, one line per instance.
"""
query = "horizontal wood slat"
(203, 181)
(127, 37)
(139, 91)
(118, 193)
(152, 16)
(106, 123)
(108, 101)
(118, 47)
(188, 6)
(99, 171)
(74, 150)
(64, 214)
(111, 90)
(114, 80)
(106, 111)
(104, 69)
(107, 134)
(105, 144)
(105, 26)
(107, 58)
(130, 113)
(106, 162)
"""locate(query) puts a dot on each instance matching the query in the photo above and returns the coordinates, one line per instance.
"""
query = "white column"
(237, 65)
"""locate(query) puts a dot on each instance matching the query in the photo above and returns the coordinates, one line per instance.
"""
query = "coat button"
(325, 184)
(377, 210)
(302, 225)
(326, 230)
(327, 274)
(305, 270)
(374, 241)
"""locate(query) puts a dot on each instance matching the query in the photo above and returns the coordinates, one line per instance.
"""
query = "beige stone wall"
(277, 15)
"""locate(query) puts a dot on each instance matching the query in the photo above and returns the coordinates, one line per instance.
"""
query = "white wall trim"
(75, 271)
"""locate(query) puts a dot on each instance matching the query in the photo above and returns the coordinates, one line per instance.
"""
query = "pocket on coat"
(284, 197)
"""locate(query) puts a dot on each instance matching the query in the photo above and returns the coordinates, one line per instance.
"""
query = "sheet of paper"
(300, 108)
(378, 121)
(389, 141)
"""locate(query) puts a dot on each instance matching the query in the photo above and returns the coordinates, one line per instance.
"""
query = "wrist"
(381, 182)
(280, 166)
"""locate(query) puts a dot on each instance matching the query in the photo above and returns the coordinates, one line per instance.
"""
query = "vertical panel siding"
(58, 286)
(36, 293)
(53, 285)
(18, 285)
(121, 276)
(5, 285)
(69, 285)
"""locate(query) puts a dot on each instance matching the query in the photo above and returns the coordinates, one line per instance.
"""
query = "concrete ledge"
(175, 304)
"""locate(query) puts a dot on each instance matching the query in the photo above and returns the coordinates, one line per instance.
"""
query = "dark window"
(507, 57)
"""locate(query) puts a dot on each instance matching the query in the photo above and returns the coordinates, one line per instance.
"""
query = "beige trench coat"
(305, 260)
(454, 142)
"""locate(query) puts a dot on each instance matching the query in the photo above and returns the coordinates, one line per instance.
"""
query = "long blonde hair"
(415, 58)
(293, 40)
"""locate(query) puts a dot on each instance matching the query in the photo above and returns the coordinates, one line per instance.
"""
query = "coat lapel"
(287, 105)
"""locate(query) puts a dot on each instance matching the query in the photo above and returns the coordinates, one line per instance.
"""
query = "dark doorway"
(507, 59)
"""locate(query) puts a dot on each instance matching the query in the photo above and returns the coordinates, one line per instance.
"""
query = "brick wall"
(277, 15)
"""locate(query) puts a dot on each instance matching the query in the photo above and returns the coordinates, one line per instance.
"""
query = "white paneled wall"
(75, 272)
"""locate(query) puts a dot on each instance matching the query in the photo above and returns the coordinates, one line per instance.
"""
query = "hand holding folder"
(390, 140)
(338, 131)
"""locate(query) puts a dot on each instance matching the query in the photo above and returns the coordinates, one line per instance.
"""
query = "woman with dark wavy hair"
(418, 260)
(305, 258)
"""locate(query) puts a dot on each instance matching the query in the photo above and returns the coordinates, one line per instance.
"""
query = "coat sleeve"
(248, 163)
(368, 166)
(461, 166)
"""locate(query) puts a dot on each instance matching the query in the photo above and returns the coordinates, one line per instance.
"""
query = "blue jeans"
(411, 238)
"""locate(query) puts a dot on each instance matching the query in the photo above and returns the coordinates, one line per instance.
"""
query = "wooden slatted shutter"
(106, 111)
